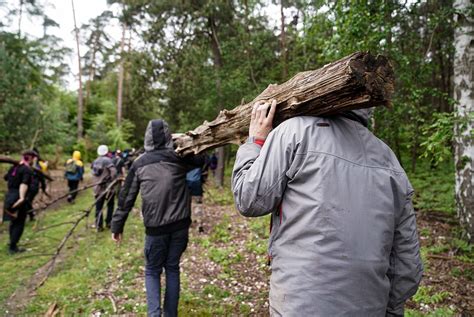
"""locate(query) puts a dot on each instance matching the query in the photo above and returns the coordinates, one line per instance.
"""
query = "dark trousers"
(98, 210)
(73, 185)
(164, 251)
(17, 225)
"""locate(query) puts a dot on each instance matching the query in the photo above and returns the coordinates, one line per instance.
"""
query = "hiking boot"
(15, 250)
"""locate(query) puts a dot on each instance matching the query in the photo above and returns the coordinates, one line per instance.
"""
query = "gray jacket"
(103, 172)
(160, 176)
(344, 239)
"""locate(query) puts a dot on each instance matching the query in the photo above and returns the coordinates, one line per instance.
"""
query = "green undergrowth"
(434, 187)
(16, 270)
(97, 269)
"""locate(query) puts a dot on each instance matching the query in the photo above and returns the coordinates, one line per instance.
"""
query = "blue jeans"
(164, 251)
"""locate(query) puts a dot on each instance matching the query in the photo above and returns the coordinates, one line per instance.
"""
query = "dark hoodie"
(160, 175)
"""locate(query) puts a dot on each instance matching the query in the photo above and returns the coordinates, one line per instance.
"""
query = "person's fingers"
(272, 111)
(254, 111)
(262, 113)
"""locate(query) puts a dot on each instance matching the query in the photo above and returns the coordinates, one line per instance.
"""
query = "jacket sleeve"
(127, 197)
(260, 176)
(81, 173)
(113, 171)
(406, 267)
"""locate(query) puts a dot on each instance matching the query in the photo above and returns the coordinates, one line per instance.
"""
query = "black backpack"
(96, 170)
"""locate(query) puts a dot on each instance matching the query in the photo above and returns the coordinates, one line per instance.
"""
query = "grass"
(434, 188)
(95, 267)
(43, 242)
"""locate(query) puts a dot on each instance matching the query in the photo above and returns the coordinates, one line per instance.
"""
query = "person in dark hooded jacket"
(160, 175)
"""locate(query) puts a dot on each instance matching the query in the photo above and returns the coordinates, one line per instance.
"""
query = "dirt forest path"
(224, 269)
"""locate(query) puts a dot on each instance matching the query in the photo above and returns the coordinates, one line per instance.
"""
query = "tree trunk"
(20, 16)
(217, 55)
(80, 105)
(284, 53)
(357, 81)
(92, 68)
(247, 44)
(120, 79)
(463, 130)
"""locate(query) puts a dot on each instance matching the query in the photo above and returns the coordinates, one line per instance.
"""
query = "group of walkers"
(343, 238)
(28, 177)
(107, 172)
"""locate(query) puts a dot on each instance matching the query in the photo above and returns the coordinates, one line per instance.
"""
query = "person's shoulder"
(79, 163)
(298, 122)
(25, 169)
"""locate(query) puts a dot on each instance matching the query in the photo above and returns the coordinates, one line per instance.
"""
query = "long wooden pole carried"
(360, 80)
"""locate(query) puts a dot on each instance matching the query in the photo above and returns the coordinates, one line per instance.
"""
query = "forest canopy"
(197, 57)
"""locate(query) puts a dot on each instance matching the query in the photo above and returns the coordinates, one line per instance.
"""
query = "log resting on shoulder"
(360, 80)
(9, 160)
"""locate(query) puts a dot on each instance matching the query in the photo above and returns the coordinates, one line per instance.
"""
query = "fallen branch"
(9, 160)
(357, 81)
(54, 226)
(440, 257)
(33, 256)
(49, 204)
(52, 261)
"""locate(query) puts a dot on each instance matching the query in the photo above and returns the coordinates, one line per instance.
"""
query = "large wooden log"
(357, 81)
(9, 160)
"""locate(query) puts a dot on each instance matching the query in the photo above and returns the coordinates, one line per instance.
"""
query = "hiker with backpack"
(38, 181)
(104, 172)
(16, 206)
(74, 173)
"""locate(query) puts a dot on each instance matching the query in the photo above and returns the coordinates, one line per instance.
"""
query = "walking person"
(160, 175)
(103, 172)
(38, 181)
(16, 206)
(344, 239)
(74, 173)
(194, 182)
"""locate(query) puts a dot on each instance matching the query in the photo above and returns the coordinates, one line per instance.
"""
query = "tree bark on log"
(357, 81)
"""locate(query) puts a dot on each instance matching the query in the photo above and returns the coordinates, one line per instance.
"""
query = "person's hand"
(117, 237)
(260, 122)
(18, 203)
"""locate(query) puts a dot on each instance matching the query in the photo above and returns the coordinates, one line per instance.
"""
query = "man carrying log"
(343, 239)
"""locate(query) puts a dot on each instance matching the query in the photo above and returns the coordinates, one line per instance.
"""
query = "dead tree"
(357, 81)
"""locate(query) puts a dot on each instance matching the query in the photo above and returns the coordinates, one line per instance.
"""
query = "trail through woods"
(224, 270)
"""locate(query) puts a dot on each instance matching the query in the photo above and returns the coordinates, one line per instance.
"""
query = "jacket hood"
(158, 136)
(361, 115)
(76, 155)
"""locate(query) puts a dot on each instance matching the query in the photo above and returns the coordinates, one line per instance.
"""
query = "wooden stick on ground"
(357, 81)
(51, 263)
